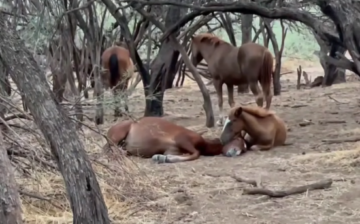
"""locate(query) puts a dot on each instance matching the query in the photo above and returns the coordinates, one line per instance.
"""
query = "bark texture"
(83, 190)
(246, 36)
(10, 206)
(163, 68)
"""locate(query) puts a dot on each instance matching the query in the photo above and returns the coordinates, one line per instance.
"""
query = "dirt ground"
(202, 191)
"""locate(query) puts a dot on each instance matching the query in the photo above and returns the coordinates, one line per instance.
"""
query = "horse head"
(196, 56)
(242, 119)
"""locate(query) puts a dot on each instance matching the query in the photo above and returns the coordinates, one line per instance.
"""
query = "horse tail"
(266, 73)
(114, 69)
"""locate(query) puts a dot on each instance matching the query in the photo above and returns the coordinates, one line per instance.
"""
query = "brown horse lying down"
(166, 142)
(263, 128)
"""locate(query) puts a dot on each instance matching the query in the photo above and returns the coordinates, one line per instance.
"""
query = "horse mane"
(257, 111)
(211, 39)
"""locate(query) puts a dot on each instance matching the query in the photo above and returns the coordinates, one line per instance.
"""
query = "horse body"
(249, 64)
(263, 128)
(120, 69)
(166, 142)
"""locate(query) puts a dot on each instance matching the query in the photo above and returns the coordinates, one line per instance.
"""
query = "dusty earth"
(203, 191)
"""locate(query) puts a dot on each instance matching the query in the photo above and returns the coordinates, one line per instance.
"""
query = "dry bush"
(126, 187)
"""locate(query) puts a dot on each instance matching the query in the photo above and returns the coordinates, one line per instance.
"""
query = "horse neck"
(211, 147)
(252, 125)
(206, 51)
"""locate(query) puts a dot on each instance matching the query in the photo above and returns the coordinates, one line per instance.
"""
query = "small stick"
(324, 184)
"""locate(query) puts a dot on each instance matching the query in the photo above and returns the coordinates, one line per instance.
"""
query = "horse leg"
(248, 141)
(262, 147)
(171, 157)
(255, 89)
(243, 88)
(218, 88)
(163, 158)
(116, 94)
(230, 89)
(124, 90)
(267, 94)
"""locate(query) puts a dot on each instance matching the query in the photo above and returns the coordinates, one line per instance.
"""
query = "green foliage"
(297, 44)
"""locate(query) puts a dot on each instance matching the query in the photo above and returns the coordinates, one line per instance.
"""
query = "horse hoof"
(158, 158)
(233, 152)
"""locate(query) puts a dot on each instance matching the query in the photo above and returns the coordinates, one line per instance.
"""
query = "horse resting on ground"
(263, 128)
(232, 65)
(166, 142)
(119, 68)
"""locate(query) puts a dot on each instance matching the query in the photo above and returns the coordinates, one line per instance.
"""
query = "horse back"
(149, 128)
(250, 52)
(222, 63)
(256, 61)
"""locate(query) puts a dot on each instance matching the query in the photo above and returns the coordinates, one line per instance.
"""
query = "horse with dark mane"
(119, 68)
(251, 63)
(166, 142)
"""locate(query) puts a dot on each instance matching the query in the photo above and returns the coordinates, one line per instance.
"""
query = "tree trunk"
(83, 190)
(276, 75)
(5, 90)
(10, 205)
(332, 74)
(246, 25)
(163, 67)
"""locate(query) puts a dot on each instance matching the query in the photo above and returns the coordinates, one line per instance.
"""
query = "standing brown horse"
(166, 142)
(263, 128)
(232, 65)
(120, 69)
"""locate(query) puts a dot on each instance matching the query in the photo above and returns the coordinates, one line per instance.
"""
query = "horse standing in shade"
(251, 63)
(120, 69)
(166, 142)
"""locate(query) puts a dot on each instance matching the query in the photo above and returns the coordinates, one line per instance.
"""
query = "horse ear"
(238, 112)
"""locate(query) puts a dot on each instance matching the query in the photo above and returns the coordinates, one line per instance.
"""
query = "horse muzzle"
(226, 138)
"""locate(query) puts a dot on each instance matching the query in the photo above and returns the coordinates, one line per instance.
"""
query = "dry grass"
(138, 191)
(126, 189)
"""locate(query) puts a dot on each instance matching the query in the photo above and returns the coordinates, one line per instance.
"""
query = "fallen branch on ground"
(259, 190)
(323, 184)
(332, 122)
(341, 140)
(305, 123)
(330, 97)
(31, 195)
(298, 105)
(243, 180)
